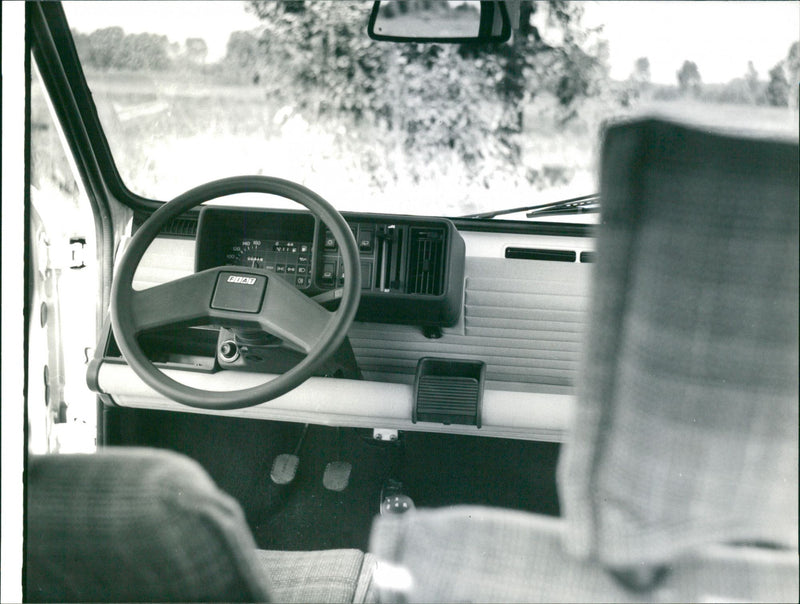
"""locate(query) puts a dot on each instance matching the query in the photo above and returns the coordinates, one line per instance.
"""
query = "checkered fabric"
(144, 525)
(135, 525)
(479, 554)
(686, 429)
(339, 575)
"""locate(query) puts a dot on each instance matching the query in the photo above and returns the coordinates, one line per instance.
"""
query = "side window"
(63, 281)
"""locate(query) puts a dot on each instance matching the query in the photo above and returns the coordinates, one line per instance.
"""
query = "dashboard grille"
(426, 264)
(182, 226)
(523, 253)
(448, 399)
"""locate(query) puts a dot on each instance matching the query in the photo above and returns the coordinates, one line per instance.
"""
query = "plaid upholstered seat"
(685, 440)
(142, 525)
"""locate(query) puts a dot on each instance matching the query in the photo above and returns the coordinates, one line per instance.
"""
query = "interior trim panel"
(353, 403)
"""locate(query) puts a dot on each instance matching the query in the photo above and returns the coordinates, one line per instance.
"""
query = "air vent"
(524, 253)
(390, 258)
(426, 261)
(445, 395)
(587, 257)
(182, 226)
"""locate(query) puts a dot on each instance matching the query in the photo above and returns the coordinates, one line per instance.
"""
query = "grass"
(169, 133)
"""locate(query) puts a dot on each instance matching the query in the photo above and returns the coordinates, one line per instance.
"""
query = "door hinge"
(62, 253)
(77, 247)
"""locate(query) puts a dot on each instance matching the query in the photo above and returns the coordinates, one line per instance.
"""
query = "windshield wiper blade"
(576, 205)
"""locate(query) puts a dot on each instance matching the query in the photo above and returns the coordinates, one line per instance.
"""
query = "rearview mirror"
(439, 21)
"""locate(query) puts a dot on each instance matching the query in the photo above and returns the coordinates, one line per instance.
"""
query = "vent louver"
(447, 398)
(426, 262)
(181, 227)
(524, 253)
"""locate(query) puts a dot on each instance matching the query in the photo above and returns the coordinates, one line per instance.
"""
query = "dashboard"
(412, 273)
(412, 268)
(522, 315)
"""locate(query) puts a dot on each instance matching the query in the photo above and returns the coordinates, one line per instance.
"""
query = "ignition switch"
(229, 351)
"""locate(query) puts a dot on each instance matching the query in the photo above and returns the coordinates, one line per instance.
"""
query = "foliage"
(778, 87)
(739, 91)
(638, 83)
(641, 70)
(110, 48)
(243, 55)
(751, 77)
(423, 101)
(196, 50)
(689, 80)
(793, 67)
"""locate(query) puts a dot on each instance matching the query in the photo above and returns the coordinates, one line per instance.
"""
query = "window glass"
(188, 92)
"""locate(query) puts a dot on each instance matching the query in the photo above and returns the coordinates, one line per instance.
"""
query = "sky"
(720, 36)
(212, 21)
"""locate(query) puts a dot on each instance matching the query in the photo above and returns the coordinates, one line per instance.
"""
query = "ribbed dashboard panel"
(524, 319)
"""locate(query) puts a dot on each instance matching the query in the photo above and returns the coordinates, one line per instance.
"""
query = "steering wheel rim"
(334, 332)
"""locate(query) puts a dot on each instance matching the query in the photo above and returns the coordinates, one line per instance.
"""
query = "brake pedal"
(284, 468)
(337, 475)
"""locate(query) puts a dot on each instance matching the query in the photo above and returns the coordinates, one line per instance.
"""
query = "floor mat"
(436, 469)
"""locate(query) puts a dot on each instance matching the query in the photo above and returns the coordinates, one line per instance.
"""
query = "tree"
(753, 85)
(242, 51)
(196, 50)
(638, 82)
(104, 47)
(112, 48)
(143, 51)
(641, 71)
(431, 99)
(778, 87)
(793, 67)
(689, 79)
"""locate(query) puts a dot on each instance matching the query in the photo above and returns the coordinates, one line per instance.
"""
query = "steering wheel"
(232, 296)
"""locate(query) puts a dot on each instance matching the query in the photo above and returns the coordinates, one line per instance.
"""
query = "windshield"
(189, 92)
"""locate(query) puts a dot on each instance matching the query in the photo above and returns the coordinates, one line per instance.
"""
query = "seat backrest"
(134, 525)
(481, 554)
(686, 429)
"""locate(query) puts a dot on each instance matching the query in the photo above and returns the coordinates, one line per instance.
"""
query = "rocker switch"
(328, 270)
(366, 240)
